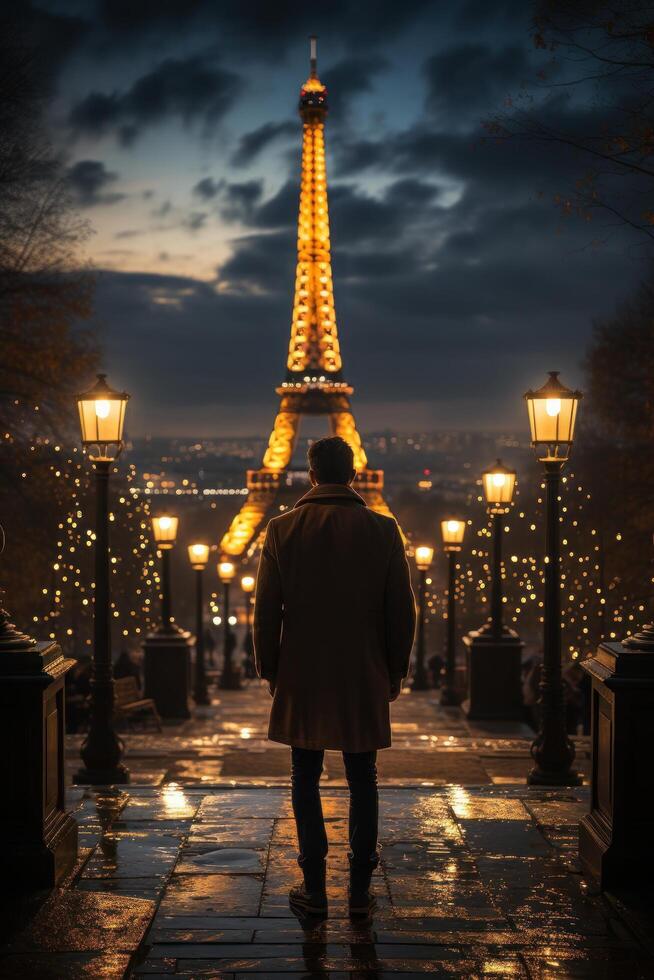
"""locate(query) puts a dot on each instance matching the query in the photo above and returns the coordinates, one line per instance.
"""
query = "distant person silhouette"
(334, 620)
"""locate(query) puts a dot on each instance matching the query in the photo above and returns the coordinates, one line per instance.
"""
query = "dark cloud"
(251, 144)
(207, 188)
(238, 200)
(348, 79)
(260, 263)
(356, 216)
(410, 192)
(465, 79)
(192, 88)
(88, 180)
(260, 26)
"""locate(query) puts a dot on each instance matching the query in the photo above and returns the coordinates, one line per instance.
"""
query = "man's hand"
(396, 687)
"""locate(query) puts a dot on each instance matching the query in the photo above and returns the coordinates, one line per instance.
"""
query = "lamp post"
(164, 530)
(229, 678)
(552, 415)
(198, 555)
(452, 531)
(424, 557)
(167, 650)
(102, 418)
(494, 653)
(499, 484)
(248, 583)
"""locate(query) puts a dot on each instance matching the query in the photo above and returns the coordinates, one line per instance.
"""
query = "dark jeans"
(361, 772)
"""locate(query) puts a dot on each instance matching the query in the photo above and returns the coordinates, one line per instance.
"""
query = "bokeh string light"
(65, 608)
(593, 604)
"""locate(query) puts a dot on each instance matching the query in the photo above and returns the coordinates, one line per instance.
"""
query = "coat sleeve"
(268, 610)
(399, 611)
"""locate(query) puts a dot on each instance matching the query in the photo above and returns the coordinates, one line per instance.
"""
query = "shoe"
(311, 896)
(310, 903)
(360, 902)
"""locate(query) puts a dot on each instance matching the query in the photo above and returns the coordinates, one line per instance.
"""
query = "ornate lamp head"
(198, 555)
(424, 557)
(552, 416)
(499, 484)
(102, 419)
(452, 531)
(164, 528)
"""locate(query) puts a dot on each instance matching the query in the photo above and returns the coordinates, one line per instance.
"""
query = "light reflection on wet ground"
(473, 882)
(193, 862)
(226, 743)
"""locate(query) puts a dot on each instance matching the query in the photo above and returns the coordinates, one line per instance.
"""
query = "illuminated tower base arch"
(314, 382)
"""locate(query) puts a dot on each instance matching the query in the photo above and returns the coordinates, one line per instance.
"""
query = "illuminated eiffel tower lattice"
(314, 383)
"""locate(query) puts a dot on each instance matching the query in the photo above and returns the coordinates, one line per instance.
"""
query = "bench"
(128, 701)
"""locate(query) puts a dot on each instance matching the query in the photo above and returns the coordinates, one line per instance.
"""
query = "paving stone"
(72, 966)
(212, 894)
(79, 921)
(511, 838)
(132, 855)
(182, 936)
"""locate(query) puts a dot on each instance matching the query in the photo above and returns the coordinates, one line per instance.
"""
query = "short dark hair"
(332, 460)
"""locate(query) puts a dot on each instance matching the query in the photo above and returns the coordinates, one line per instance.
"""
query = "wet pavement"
(189, 876)
(226, 744)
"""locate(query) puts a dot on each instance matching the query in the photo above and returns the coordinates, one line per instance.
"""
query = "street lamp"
(452, 531)
(552, 415)
(164, 530)
(102, 418)
(167, 650)
(248, 583)
(499, 484)
(229, 679)
(424, 556)
(198, 555)
(494, 652)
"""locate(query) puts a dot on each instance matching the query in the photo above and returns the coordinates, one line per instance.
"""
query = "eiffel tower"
(314, 383)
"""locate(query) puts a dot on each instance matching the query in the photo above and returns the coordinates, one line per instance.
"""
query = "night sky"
(457, 282)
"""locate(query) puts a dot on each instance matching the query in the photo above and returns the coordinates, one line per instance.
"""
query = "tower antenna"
(313, 43)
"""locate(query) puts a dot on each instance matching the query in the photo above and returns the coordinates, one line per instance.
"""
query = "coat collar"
(330, 493)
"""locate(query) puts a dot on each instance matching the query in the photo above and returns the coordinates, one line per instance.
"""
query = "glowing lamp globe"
(102, 418)
(226, 571)
(452, 531)
(499, 484)
(552, 415)
(424, 556)
(164, 528)
(247, 583)
(198, 555)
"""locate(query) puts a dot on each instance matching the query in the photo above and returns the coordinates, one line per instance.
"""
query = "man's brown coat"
(334, 621)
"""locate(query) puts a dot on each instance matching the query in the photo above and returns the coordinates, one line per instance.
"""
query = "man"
(333, 628)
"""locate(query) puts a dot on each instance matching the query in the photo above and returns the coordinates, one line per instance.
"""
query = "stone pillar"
(616, 843)
(494, 676)
(39, 839)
